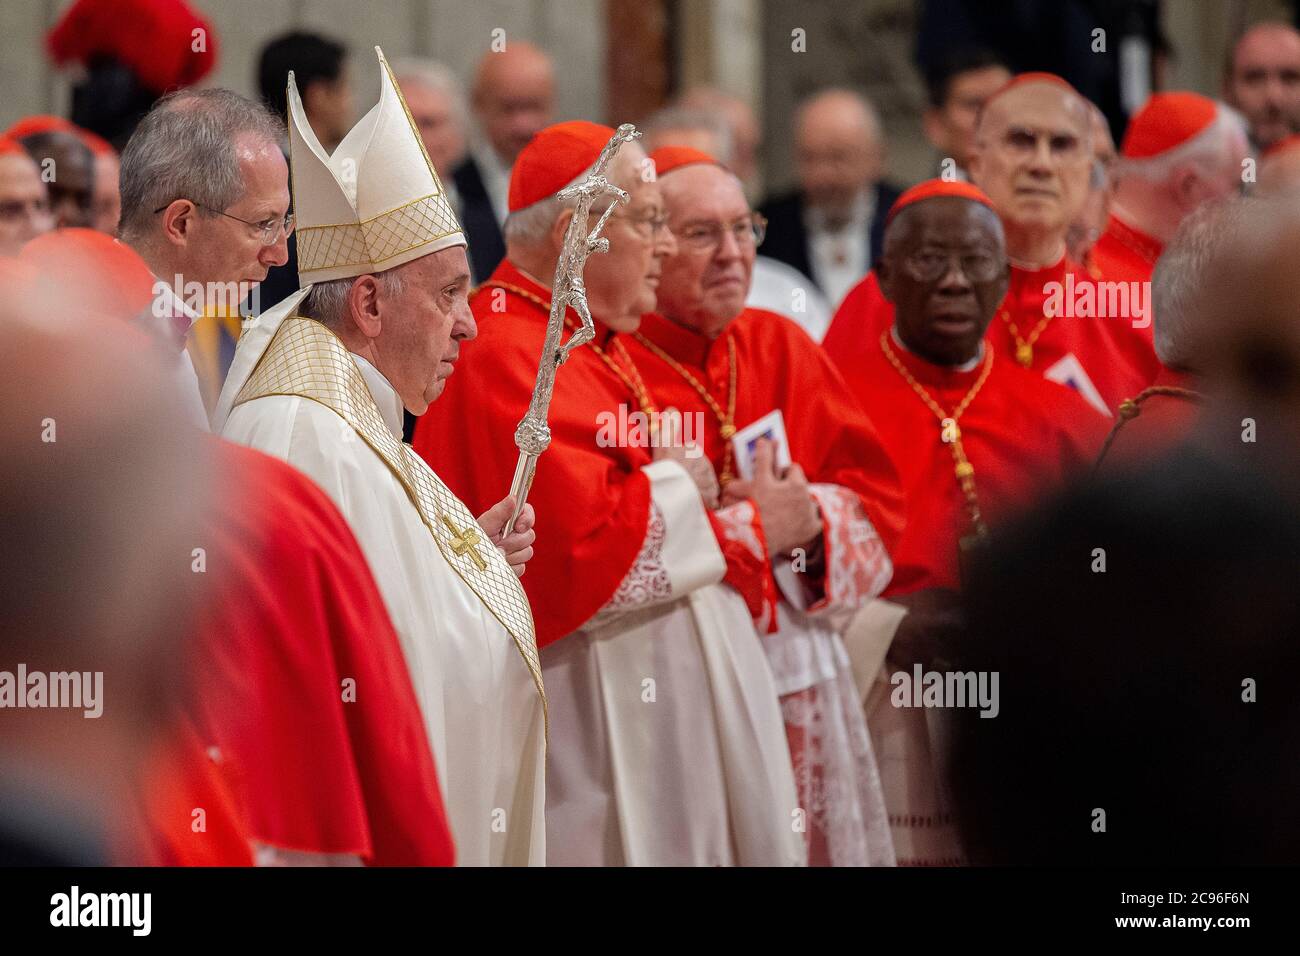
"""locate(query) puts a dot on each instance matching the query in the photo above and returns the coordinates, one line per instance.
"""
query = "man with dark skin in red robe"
(974, 437)
(1058, 318)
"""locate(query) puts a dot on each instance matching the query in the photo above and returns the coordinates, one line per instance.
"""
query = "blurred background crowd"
(825, 110)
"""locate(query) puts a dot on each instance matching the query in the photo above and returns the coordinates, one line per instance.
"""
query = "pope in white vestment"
(296, 392)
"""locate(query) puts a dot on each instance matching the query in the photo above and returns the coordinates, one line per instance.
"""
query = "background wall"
(457, 32)
(743, 46)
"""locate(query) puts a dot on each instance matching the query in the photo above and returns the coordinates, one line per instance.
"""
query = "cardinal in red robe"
(299, 736)
(1057, 318)
(667, 746)
(725, 367)
(301, 692)
(1155, 420)
(1163, 415)
(1180, 150)
(975, 437)
(598, 487)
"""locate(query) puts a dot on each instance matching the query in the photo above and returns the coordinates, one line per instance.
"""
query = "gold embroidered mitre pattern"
(376, 241)
(307, 360)
(375, 202)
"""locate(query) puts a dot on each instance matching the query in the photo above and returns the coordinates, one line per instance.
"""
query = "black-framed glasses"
(707, 236)
(11, 210)
(268, 228)
(931, 266)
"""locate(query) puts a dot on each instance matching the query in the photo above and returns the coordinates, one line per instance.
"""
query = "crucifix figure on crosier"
(533, 434)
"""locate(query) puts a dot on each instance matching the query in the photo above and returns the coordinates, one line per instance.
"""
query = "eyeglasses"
(81, 196)
(933, 266)
(654, 221)
(707, 236)
(14, 209)
(1022, 142)
(269, 229)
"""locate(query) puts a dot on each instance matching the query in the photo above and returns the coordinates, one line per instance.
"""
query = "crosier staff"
(533, 434)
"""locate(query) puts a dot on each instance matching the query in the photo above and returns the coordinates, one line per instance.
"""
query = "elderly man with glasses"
(706, 354)
(666, 740)
(975, 436)
(205, 203)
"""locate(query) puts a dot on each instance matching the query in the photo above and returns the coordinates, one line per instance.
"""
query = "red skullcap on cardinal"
(932, 188)
(668, 158)
(554, 158)
(42, 123)
(1024, 79)
(1166, 121)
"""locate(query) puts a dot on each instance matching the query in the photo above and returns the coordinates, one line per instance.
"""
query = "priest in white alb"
(321, 381)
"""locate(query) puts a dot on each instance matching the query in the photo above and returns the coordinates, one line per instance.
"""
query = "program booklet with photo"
(744, 442)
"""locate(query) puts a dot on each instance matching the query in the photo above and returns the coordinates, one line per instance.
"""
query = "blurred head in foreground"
(1144, 630)
(103, 488)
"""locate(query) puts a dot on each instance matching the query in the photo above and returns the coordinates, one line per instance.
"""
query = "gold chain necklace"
(964, 470)
(1130, 408)
(1025, 347)
(1145, 247)
(629, 377)
(727, 419)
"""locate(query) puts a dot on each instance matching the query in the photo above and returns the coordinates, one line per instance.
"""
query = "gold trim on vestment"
(378, 239)
(307, 360)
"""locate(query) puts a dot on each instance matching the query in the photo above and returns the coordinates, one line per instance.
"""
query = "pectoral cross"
(465, 541)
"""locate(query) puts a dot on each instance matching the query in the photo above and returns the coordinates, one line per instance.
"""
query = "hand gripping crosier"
(533, 433)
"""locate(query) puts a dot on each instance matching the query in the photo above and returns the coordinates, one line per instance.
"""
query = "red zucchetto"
(933, 188)
(668, 158)
(1167, 121)
(553, 158)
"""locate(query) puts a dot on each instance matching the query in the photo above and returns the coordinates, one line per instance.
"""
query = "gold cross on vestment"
(465, 541)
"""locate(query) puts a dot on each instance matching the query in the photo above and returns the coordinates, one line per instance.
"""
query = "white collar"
(964, 367)
(165, 292)
(385, 396)
(171, 304)
(168, 317)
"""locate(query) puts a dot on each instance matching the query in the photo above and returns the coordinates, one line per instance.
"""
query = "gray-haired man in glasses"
(205, 202)
(829, 513)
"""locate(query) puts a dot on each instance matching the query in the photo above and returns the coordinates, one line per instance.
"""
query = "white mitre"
(373, 205)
